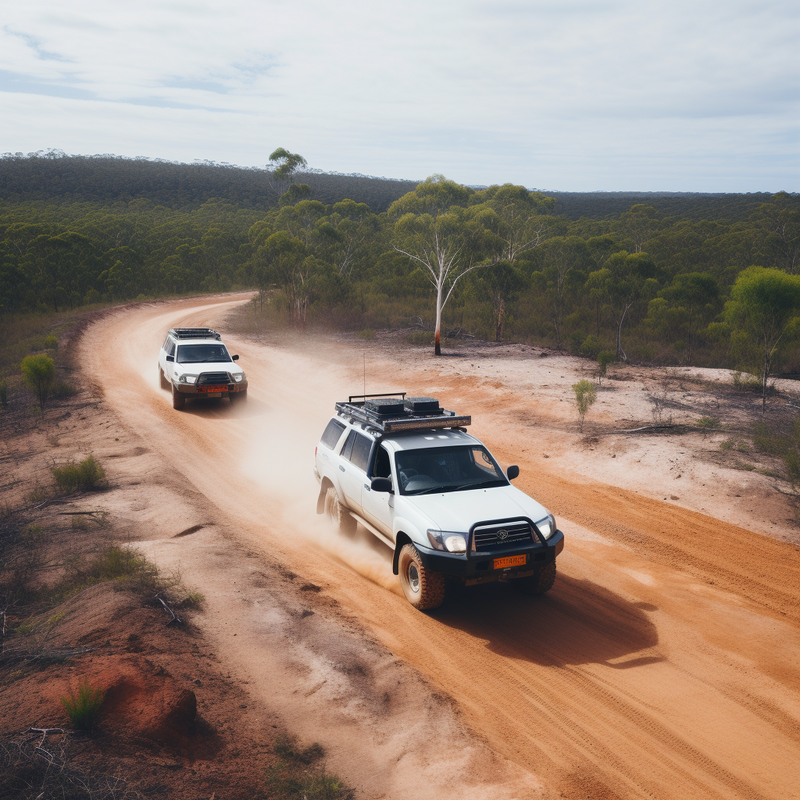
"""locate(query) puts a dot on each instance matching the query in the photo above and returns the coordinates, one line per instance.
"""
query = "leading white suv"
(193, 362)
(409, 472)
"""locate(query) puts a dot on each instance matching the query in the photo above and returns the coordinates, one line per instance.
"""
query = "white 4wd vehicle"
(409, 472)
(194, 362)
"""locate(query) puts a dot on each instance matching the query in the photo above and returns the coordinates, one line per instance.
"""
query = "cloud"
(606, 95)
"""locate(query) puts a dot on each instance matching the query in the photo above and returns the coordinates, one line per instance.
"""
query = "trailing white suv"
(193, 362)
(409, 472)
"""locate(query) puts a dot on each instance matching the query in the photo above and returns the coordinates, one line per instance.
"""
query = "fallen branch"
(645, 429)
(175, 617)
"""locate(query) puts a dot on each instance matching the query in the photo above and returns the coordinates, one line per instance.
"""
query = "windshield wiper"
(481, 485)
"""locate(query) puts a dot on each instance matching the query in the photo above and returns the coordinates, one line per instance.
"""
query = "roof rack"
(195, 333)
(392, 412)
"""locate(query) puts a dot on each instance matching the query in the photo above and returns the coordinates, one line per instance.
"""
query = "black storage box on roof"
(422, 405)
(385, 407)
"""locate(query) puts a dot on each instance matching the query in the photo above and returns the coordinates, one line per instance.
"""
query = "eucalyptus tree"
(627, 279)
(344, 232)
(284, 261)
(639, 225)
(431, 229)
(283, 167)
(763, 315)
(681, 309)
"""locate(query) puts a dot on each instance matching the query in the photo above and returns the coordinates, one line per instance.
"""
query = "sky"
(565, 95)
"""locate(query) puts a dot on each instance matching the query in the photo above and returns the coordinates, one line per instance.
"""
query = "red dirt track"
(663, 664)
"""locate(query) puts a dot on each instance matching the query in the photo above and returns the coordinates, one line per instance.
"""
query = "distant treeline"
(649, 279)
(107, 178)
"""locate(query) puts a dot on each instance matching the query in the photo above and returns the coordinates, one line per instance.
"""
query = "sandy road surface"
(663, 664)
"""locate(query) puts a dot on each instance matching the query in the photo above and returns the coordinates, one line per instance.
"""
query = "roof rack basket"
(392, 412)
(195, 333)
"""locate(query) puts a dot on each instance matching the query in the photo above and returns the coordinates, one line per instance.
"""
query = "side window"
(332, 433)
(165, 348)
(382, 466)
(171, 347)
(356, 450)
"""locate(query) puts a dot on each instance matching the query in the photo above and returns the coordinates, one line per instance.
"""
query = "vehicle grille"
(490, 537)
(212, 378)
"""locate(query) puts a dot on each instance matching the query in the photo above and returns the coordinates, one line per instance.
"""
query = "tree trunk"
(437, 344)
(621, 355)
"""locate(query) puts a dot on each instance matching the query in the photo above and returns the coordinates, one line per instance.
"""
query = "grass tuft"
(71, 477)
(83, 707)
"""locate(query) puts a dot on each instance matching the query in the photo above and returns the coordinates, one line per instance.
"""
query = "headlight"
(547, 526)
(188, 378)
(451, 541)
(239, 378)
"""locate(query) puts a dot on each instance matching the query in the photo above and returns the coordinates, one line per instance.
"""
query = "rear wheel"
(338, 514)
(540, 582)
(423, 588)
(178, 400)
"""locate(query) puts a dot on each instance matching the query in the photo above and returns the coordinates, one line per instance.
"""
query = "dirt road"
(663, 664)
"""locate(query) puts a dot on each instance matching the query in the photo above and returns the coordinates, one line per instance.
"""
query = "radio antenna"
(365, 371)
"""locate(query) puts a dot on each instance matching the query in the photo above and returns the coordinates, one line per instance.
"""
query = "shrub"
(71, 477)
(708, 423)
(604, 358)
(83, 708)
(3, 394)
(591, 347)
(585, 395)
(38, 374)
(367, 333)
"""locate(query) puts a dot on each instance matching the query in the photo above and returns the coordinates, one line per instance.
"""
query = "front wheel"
(178, 400)
(237, 397)
(540, 582)
(162, 379)
(338, 514)
(423, 588)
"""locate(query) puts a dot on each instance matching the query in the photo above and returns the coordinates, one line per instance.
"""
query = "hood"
(196, 368)
(459, 511)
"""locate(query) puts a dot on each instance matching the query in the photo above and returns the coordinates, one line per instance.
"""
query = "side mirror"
(171, 358)
(235, 358)
(381, 485)
(512, 472)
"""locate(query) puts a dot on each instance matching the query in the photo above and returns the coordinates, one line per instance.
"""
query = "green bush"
(585, 395)
(708, 423)
(88, 474)
(591, 347)
(367, 333)
(604, 358)
(83, 708)
(38, 374)
(3, 394)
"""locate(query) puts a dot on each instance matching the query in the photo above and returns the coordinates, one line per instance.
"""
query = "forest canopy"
(650, 277)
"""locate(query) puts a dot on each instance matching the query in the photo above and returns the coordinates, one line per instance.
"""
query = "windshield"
(447, 469)
(202, 353)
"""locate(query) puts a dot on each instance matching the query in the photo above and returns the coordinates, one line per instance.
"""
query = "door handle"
(341, 467)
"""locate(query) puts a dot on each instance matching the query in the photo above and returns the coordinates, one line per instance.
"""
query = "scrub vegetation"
(661, 279)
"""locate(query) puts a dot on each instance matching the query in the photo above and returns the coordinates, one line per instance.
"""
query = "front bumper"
(478, 567)
(200, 391)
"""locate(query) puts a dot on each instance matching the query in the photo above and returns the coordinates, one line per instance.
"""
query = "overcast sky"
(571, 95)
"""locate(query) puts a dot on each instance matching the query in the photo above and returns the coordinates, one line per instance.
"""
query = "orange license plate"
(510, 561)
(209, 389)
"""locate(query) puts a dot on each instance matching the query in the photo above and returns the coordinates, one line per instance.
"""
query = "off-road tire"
(237, 397)
(540, 582)
(423, 588)
(178, 400)
(338, 514)
(162, 379)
